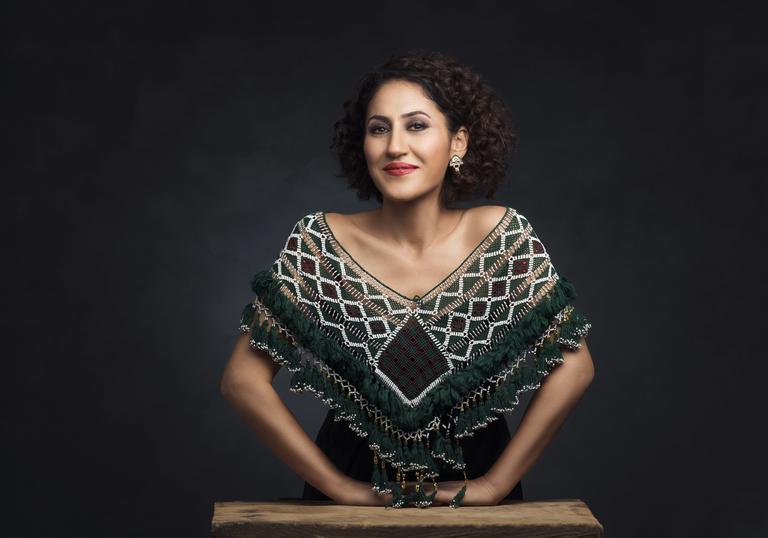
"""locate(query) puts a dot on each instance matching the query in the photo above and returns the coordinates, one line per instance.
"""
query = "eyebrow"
(406, 115)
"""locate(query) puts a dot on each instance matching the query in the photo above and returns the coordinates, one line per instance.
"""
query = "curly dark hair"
(462, 95)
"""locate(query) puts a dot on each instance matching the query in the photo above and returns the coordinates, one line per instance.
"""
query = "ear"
(460, 141)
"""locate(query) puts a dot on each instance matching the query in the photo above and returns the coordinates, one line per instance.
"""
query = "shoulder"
(486, 217)
(489, 215)
(349, 227)
(346, 219)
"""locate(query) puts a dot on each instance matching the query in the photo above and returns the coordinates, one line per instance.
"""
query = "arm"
(247, 386)
(551, 404)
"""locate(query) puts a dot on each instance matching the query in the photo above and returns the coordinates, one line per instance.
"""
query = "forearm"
(276, 426)
(546, 413)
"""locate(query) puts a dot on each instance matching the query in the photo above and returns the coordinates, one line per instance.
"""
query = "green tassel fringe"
(384, 486)
(420, 498)
(447, 451)
(505, 397)
(445, 395)
(397, 496)
(379, 479)
(376, 478)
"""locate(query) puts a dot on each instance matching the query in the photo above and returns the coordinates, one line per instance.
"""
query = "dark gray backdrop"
(159, 155)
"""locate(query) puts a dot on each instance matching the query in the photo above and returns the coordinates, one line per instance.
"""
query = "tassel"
(375, 476)
(424, 457)
(410, 498)
(449, 450)
(387, 446)
(434, 483)
(420, 499)
(397, 492)
(374, 438)
(384, 479)
(408, 452)
(456, 501)
(431, 497)
(397, 495)
(399, 457)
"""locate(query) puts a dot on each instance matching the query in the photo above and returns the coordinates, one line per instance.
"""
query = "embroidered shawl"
(415, 375)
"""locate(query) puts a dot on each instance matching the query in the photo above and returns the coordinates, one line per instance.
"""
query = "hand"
(480, 492)
(358, 493)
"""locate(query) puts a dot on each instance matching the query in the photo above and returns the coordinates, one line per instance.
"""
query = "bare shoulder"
(347, 219)
(348, 225)
(485, 217)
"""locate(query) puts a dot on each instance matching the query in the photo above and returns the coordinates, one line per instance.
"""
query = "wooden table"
(541, 519)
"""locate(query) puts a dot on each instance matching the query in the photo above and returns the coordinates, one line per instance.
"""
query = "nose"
(396, 145)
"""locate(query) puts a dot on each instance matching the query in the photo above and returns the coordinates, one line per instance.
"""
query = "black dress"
(350, 453)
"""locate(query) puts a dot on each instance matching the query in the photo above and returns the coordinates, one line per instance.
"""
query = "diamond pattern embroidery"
(411, 362)
(462, 319)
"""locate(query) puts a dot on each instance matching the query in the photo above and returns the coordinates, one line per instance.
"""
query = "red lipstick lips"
(398, 168)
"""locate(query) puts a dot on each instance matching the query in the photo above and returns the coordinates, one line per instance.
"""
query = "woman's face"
(403, 125)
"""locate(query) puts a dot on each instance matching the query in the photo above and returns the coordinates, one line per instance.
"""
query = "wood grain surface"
(553, 518)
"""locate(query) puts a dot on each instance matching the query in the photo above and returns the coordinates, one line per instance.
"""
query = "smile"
(399, 168)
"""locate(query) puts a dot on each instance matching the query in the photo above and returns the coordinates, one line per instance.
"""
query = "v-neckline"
(416, 298)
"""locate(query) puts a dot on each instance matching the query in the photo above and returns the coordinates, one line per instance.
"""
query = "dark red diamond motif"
(499, 288)
(377, 326)
(329, 290)
(354, 311)
(307, 265)
(478, 308)
(412, 367)
(520, 266)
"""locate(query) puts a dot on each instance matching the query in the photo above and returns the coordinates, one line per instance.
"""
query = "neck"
(416, 225)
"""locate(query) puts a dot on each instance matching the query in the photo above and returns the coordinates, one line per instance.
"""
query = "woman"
(414, 321)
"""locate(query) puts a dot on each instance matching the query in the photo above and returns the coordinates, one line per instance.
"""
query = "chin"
(401, 189)
(403, 197)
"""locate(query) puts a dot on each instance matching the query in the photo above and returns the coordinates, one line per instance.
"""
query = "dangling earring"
(456, 162)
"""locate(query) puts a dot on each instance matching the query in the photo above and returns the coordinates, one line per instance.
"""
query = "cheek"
(370, 148)
(434, 151)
